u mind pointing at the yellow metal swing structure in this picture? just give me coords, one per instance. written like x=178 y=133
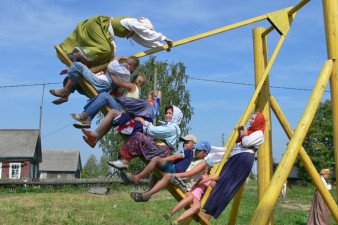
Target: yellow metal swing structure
x=269 y=184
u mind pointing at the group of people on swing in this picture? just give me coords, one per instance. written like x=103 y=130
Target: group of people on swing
x=93 y=43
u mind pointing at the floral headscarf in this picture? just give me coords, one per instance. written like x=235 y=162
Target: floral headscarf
x=177 y=116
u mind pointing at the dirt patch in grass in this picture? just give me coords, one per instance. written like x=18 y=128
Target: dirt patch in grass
x=290 y=204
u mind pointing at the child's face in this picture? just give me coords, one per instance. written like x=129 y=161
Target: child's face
x=200 y=154
x=129 y=65
x=188 y=145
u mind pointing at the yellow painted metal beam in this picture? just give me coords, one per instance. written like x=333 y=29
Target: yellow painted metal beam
x=330 y=11
x=306 y=160
x=269 y=199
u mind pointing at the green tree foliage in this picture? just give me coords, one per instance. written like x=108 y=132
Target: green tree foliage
x=318 y=142
x=103 y=167
x=90 y=169
x=171 y=81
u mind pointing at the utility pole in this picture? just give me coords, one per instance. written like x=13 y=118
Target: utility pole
x=43 y=92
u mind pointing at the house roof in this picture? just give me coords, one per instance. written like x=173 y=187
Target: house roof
x=20 y=143
x=60 y=160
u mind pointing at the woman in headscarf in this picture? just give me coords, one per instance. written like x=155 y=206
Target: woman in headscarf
x=165 y=138
x=319 y=212
x=238 y=167
x=93 y=40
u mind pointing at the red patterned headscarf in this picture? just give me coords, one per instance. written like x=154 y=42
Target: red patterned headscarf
x=259 y=124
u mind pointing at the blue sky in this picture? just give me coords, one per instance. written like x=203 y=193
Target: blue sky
x=29 y=30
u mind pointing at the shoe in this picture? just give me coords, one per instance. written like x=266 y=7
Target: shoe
x=77 y=117
x=81 y=125
x=60 y=100
x=73 y=57
x=89 y=142
x=89 y=135
x=52 y=91
x=118 y=164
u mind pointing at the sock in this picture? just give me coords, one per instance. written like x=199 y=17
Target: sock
x=95 y=134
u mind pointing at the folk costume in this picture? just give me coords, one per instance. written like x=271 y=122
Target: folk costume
x=237 y=168
x=94 y=38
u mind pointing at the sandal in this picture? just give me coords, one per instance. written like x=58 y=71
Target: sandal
x=52 y=91
x=138 y=197
x=127 y=179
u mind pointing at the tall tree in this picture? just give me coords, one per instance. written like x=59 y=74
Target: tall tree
x=171 y=81
x=90 y=169
x=318 y=142
x=103 y=167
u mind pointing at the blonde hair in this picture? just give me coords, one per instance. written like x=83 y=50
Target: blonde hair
x=325 y=171
x=139 y=80
x=155 y=93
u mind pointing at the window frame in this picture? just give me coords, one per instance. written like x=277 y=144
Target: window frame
x=11 y=165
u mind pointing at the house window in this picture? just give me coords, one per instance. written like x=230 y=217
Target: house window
x=0 y=169
x=14 y=170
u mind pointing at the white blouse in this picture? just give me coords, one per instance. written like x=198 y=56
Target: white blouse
x=144 y=36
x=216 y=154
x=120 y=71
x=328 y=186
x=255 y=139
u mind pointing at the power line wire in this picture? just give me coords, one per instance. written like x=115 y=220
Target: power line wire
x=57 y=130
x=247 y=84
x=192 y=78
x=27 y=85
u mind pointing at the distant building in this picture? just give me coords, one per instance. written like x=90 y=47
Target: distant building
x=20 y=153
x=60 y=164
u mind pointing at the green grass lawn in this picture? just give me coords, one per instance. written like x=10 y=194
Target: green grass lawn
x=76 y=206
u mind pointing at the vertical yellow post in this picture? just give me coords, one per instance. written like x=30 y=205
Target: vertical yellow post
x=330 y=11
x=264 y=154
x=265 y=206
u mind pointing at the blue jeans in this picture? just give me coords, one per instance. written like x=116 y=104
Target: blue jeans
x=77 y=69
x=96 y=103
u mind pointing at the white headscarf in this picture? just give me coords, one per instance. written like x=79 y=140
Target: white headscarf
x=177 y=116
x=146 y=22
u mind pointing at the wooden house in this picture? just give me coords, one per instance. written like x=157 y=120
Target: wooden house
x=60 y=164
x=20 y=153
